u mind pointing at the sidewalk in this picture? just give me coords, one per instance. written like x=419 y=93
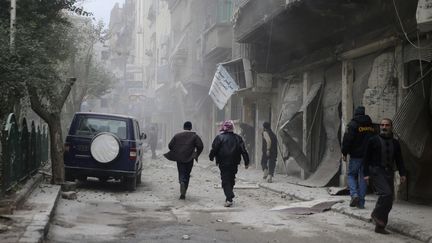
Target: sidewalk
x=405 y=218
x=35 y=204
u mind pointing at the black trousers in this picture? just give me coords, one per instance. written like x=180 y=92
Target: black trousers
x=268 y=162
x=184 y=170
x=228 y=173
x=382 y=180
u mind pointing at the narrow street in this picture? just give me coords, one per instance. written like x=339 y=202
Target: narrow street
x=153 y=213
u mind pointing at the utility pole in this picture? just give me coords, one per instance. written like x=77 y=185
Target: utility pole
x=12 y=25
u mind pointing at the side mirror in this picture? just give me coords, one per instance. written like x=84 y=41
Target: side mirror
x=143 y=136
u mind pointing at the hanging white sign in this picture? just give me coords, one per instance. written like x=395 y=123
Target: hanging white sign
x=223 y=86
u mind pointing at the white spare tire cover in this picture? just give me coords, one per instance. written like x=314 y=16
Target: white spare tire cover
x=105 y=147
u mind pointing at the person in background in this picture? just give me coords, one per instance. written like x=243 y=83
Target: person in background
x=381 y=158
x=228 y=148
x=185 y=147
x=354 y=141
x=269 y=152
x=152 y=140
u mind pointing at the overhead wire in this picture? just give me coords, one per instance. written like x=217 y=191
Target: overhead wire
x=403 y=29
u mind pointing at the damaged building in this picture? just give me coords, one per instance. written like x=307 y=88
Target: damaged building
x=303 y=65
x=327 y=57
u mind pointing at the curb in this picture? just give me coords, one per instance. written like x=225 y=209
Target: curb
x=38 y=228
x=399 y=228
x=17 y=200
x=27 y=189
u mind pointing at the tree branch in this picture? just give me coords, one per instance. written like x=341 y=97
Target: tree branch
x=36 y=105
x=65 y=92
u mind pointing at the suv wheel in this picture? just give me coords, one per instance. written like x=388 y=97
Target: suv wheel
x=131 y=183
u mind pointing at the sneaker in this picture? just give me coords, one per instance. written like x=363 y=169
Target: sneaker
x=182 y=197
x=354 y=202
x=228 y=204
x=381 y=230
x=270 y=179
x=266 y=172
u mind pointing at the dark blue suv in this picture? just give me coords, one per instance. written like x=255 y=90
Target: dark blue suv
x=104 y=146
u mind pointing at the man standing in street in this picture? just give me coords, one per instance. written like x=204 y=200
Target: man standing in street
x=185 y=147
x=354 y=141
x=382 y=156
x=152 y=140
x=227 y=147
x=269 y=152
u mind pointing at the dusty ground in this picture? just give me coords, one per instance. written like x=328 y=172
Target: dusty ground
x=106 y=213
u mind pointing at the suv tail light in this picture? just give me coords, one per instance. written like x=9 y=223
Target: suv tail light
x=132 y=153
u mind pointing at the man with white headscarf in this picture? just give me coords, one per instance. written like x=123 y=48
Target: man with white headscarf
x=228 y=148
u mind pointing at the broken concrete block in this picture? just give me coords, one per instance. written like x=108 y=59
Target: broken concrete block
x=68 y=186
x=69 y=195
x=4 y=228
x=186 y=237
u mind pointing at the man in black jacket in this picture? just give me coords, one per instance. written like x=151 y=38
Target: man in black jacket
x=184 y=148
x=354 y=141
x=382 y=156
x=269 y=152
x=227 y=147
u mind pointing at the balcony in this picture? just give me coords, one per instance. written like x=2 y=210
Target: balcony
x=252 y=14
x=217 y=40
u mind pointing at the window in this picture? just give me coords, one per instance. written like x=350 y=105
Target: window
x=224 y=11
x=89 y=126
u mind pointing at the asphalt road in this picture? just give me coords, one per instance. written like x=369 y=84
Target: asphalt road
x=104 y=212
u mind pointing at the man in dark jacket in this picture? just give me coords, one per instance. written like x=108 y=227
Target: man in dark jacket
x=269 y=152
x=227 y=147
x=184 y=148
x=359 y=130
x=382 y=156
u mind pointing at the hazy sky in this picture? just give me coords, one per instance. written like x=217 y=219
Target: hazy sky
x=101 y=9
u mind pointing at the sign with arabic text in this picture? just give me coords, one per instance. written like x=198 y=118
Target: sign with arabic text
x=223 y=86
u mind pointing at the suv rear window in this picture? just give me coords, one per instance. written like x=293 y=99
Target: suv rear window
x=90 y=126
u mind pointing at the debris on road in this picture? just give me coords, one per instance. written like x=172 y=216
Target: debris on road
x=338 y=191
x=240 y=186
x=68 y=186
x=308 y=207
x=69 y=195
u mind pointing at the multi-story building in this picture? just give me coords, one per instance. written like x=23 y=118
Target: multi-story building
x=121 y=57
x=324 y=58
